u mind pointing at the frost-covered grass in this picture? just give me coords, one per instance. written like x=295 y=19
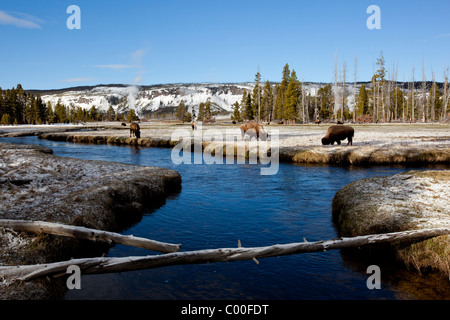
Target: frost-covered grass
x=411 y=200
x=372 y=144
x=36 y=185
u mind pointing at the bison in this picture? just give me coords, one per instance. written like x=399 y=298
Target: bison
x=194 y=125
x=254 y=129
x=135 y=130
x=338 y=133
x=317 y=121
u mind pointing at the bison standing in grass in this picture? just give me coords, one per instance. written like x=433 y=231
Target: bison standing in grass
x=337 y=134
x=254 y=129
x=135 y=130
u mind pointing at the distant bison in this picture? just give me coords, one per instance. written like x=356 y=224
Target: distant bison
x=123 y=124
x=340 y=122
x=135 y=130
x=194 y=125
x=337 y=134
x=317 y=121
x=254 y=129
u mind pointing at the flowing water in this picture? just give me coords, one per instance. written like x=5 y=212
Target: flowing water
x=221 y=204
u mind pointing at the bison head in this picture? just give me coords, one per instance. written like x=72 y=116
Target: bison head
x=325 y=141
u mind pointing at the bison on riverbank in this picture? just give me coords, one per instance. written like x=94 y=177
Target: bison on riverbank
x=135 y=130
x=254 y=129
x=337 y=134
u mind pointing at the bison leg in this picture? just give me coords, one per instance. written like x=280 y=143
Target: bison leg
x=350 y=141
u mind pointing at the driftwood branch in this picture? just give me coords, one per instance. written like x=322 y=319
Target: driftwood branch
x=111 y=265
x=87 y=233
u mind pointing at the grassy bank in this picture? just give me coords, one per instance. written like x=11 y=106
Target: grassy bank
x=407 y=201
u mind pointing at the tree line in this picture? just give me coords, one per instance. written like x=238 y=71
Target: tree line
x=19 y=107
x=383 y=99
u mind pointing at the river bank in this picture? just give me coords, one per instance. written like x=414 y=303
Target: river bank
x=408 y=201
x=36 y=185
x=374 y=144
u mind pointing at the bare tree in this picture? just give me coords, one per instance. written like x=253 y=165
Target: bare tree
x=424 y=92
x=344 y=69
x=445 y=97
x=412 y=98
x=335 y=87
x=433 y=98
x=354 y=90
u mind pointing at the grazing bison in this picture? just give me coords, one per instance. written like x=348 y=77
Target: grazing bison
x=123 y=124
x=340 y=122
x=317 y=121
x=135 y=130
x=338 y=133
x=254 y=129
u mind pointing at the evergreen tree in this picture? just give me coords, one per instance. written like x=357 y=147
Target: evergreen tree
x=325 y=96
x=41 y=110
x=362 y=107
x=132 y=116
x=292 y=95
x=208 y=113
x=236 y=113
x=281 y=91
x=110 y=114
x=181 y=111
x=93 y=113
x=256 y=97
x=267 y=102
x=201 y=111
x=246 y=106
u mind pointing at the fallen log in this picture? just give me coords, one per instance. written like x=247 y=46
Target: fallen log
x=89 y=234
x=122 y=264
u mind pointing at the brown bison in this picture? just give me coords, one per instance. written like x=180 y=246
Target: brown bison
x=254 y=129
x=317 y=121
x=338 y=133
x=135 y=130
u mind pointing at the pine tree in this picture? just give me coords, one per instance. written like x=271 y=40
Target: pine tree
x=281 y=91
x=181 y=111
x=201 y=111
x=236 y=113
x=267 y=102
x=132 y=116
x=325 y=95
x=292 y=97
x=256 y=97
x=246 y=106
x=363 y=101
x=208 y=113
x=41 y=110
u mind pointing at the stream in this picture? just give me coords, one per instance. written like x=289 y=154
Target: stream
x=221 y=204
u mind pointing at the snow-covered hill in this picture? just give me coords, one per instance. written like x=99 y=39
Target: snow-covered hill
x=147 y=99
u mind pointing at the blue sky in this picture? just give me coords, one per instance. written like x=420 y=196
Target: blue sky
x=188 y=41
